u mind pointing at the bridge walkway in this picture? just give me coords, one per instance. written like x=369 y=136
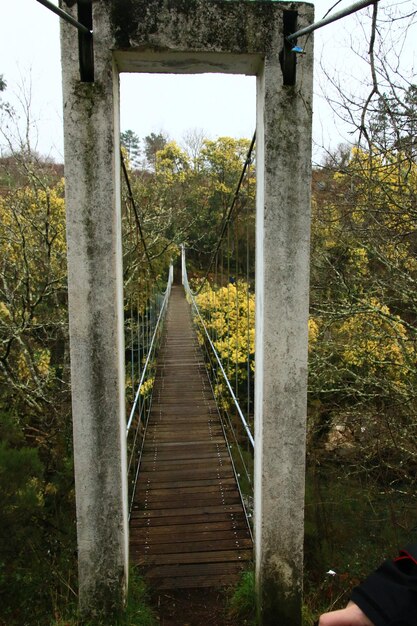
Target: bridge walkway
x=188 y=528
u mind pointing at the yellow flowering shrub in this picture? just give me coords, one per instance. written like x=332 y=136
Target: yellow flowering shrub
x=32 y=285
x=373 y=339
x=313 y=332
x=229 y=314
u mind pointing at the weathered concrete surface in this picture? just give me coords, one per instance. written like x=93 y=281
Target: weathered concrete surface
x=96 y=325
x=191 y=36
x=282 y=287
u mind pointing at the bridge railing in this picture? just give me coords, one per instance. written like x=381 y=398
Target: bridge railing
x=235 y=423
x=145 y=338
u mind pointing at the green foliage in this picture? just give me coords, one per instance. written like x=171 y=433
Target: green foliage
x=242 y=604
x=131 y=142
x=37 y=529
x=30 y=556
x=185 y=194
x=352 y=522
x=362 y=331
x=154 y=143
x=229 y=317
x=32 y=291
x=138 y=609
x=363 y=402
x=20 y=489
x=183 y=197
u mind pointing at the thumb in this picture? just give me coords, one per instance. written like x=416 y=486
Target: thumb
x=350 y=616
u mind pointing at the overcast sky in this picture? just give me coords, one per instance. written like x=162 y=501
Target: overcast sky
x=219 y=105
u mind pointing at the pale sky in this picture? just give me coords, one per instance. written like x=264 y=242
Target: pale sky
x=216 y=104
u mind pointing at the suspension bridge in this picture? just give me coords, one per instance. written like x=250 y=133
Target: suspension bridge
x=197 y=468
x=193 y=460
x=188 y=524
x=190 y=444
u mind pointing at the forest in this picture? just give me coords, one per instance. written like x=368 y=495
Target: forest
x=362 y=402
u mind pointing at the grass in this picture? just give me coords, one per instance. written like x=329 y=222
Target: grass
x=242 y=604
x=138 y=610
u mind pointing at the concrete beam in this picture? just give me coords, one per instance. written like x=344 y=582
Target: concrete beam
x=153 y=61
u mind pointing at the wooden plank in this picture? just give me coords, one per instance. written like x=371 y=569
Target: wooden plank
x=205 y=453
x=184 y=435
x=144 y=522
x=186 y=529
x=179 y=429
x=191 y=519
x=172 y=464
x=231 y=508
x=205 y=569
x=139 y=548
x=193 y=558
x=197 y=582
x=197 y=472
x=184 y=490
x=181 y=407
x=190 y=481
x=179 y=444
x=156 y=503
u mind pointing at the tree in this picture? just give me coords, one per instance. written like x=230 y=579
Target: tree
x=35 y=426
x=193 y=141
x=131 y=142
x=362 y=372
x=153 y=144
x=32 y=291
x=3 y=105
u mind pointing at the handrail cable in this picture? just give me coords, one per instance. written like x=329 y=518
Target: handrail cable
x=239 y=410
x=228 y=216
x=65 y=16
x=136 y=213
x=145 y=367
x=137 y=424
x=224 y=426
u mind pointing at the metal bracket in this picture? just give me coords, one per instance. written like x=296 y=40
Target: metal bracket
x=85 y=41
x=288 y=57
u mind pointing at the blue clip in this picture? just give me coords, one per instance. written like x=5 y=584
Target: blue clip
x=297 y=49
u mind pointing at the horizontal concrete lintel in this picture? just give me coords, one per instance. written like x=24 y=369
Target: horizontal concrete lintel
x=247 y=27
x=187 y=62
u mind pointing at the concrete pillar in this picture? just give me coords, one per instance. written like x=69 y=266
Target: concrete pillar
x=282 y=287
x=91 y=131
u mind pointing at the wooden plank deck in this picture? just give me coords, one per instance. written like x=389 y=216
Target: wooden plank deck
x=187 y=528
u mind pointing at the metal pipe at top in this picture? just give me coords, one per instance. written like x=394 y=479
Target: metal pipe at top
x=65 y=16
x=332 y=18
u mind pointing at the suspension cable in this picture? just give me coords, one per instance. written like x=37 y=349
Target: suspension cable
x=136 y=213
x=65 y=16
x=228 y=216
x=357 y=6
x=220 y=365
x=151 y=347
